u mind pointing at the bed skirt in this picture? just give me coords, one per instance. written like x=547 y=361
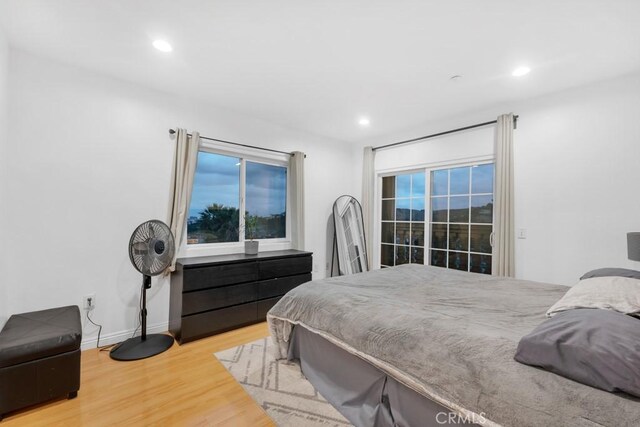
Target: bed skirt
x=362 y=393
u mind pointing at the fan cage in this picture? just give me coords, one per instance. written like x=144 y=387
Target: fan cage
x=151 y=247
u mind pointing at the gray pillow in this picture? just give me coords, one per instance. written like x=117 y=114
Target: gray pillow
x=596 y=347
x=608 y=272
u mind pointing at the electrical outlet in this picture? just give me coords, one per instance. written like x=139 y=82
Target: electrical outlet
x=89 y=302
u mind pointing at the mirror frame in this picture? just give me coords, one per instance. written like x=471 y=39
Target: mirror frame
x=335 y=251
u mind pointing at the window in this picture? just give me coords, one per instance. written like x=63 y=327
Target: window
x=267 y=199
x=462 y=218
x=459 y=223
x=224 y=186
x=402 y=229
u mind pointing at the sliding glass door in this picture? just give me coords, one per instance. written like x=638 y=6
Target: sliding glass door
x=403 y=219
x=459 y=222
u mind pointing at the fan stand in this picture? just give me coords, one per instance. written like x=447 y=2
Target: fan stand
x=145 y=345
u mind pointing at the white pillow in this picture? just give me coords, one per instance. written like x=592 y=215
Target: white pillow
x=615 y=293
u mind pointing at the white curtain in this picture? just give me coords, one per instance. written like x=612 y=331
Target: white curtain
x=503 y=242
x=185 y=159
x=296 y=169
x=368 y=198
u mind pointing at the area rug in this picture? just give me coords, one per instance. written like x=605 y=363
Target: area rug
x=279 y=386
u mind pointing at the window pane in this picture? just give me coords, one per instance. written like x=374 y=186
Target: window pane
x=459 y=237
x=417 y=185
x=439 y=236
x=439 y=183
x=439 y=258
x=482 y=179
x=480 y=238
x=417 y=209
x=402 y=233
x=482 y=209
x=403 y=209
x=215 y=200
x=459 y=181
x=417 y=255
x=266 y=198
x=417 y=234
x=386 y=255
x=439 y=209
x=388 y=187
x=402 y=255
x=459 y=209
x=403 y=185
x=387 y=232
x=387 y=210
x=458 y=260
x=480 y=264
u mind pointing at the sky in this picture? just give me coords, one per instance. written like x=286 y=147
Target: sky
x=217 y=180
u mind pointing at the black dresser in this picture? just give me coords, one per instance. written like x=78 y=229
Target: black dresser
x=218 y=293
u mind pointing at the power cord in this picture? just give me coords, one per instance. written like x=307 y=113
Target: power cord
x=110 y=346
x=99 y=328
x=139 y=312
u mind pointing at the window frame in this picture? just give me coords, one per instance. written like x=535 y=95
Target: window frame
x=427 y=168
x=252 y=155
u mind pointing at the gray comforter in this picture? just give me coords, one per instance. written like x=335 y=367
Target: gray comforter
x=451 y=336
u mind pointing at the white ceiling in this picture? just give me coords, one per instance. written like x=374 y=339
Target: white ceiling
x=319 y=65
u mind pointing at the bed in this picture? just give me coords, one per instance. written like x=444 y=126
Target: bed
x=421 y=345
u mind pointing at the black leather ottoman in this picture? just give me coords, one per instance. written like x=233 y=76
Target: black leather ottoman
x=39 y=357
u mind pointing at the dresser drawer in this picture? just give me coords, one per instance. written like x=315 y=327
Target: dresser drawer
x=265 y=305
x=280 y=286
x=211 y=322
x=285 y=267
x=219 y=275
x=211 y=299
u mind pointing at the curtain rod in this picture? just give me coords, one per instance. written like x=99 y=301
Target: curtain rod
x=172 y=131
x=515 y=125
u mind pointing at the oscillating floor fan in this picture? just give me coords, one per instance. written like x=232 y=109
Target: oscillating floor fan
x=151 y=250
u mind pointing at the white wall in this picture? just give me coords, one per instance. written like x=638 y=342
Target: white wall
x=4 y=68
x=576 y=169
x=90 y=159
x=576 y=166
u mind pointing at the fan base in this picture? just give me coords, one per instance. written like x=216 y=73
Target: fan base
x=136 y=348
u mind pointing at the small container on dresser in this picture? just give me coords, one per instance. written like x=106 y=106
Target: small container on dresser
x=214 y=294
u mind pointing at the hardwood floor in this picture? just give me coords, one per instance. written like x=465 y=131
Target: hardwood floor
x=186 y=385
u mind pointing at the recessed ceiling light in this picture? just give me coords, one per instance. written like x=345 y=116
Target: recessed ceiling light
x=364 y=121
x=521 y=71
x=162 y=46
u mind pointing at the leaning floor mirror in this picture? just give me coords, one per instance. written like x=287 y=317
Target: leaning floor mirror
x=349 y=239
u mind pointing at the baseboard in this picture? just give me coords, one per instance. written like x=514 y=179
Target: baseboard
x=116 y=337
